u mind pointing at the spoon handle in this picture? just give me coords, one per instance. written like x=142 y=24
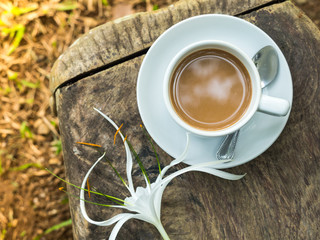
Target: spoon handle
x=227 y=147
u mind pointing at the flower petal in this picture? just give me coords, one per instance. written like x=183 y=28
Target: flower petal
x=204 y=167
x=221 y=174
x=128 y=154
x=125 y=217
x=157 y=199
x=177 y=160
x=82 y=203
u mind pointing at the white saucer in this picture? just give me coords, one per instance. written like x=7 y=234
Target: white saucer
x=255 y=137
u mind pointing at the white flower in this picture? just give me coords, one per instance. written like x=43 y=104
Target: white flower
x=144 y=203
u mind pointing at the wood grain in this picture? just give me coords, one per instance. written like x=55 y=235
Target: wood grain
x=280 y=195
x=118 y=39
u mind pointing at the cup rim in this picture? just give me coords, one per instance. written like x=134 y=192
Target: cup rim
x=243 y=57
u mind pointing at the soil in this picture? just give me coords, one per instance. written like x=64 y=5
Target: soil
x=30 y=202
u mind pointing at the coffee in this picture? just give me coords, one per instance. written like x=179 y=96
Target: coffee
x=210 y=89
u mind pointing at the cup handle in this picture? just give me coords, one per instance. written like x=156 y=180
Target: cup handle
x=273 y=106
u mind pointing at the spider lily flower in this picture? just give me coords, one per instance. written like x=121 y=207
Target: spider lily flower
x=144 y=203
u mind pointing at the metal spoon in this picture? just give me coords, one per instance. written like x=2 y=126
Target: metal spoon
x=267 y=63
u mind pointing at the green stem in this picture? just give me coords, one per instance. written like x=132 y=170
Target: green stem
x=115 y=170
x=154 y=149
x=114 y=199
x=143 y=170
x=108 y=161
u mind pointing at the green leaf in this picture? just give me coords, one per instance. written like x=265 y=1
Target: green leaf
x=105 y=2
x=30 y=101
x=53 y=123
x=15 y=184
x=65 y=200
x=67 y=6
x=57 y=144
x=23 y=233
x=6 y=91
x=155 y=7
x=25 y=131
x=19 y=11
x=26 y=166
x=54 y=44
x=6 y=31
x=3 y=234
x=19 y=33
x=58 y=226
x=30 y=84
x=13 y=76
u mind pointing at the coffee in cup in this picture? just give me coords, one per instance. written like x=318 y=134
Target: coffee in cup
x=212 y=88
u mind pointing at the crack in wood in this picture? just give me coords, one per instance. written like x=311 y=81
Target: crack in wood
x=260 y=7
x=145 y=50
x=102 y=68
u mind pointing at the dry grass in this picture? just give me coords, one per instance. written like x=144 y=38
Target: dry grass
x=33 y=35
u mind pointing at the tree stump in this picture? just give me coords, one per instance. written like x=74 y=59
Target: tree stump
x=279 y=197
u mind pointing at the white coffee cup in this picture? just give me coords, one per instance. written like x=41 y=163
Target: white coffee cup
x=259 y=102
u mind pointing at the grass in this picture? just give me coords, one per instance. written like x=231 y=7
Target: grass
x=3 y=234
x=58 y=226
x=26 y=166
x=25 y=131
x=17 y=33
x=67 y=6
x=51 y=229
x=57 y=145
x=33 y=34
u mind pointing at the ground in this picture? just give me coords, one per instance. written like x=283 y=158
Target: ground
x=33 y=35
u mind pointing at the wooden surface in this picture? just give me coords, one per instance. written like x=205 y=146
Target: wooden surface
x=280 y=196
x=116 y=41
